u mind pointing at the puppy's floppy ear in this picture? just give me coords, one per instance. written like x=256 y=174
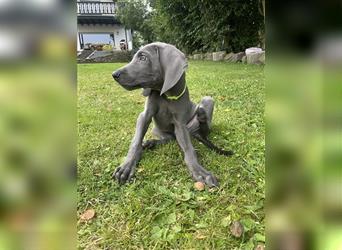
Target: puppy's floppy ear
x=173 y=65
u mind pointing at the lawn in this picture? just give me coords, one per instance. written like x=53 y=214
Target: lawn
x=161 y=209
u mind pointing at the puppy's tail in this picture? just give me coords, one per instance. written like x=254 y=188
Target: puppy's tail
x=212 y=146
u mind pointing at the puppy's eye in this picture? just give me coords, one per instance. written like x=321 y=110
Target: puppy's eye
x=142 y=58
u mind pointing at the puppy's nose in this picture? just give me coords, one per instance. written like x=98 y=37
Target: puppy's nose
x=116 y=74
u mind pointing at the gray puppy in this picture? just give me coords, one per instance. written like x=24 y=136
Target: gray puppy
x=159 y=69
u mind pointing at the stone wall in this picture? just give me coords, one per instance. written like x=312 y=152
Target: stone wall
x=255 y=58
x=126 y=56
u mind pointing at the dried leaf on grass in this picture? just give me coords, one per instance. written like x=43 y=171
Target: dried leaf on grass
x=236 y=229
x=199 y=186
x=88 y=215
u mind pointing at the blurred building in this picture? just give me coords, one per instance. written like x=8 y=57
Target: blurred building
x=97 y=23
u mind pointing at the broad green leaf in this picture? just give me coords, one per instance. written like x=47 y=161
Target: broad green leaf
x=226 y=221
x=186 y=196
x=171 y=218
x=176 y=228
x=201 y=225
x=157 y=232
x=249 y=245
x=259 y=237
x=248 y=224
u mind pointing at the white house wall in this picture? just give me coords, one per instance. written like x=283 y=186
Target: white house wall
x=117 y=30
x=78 y=43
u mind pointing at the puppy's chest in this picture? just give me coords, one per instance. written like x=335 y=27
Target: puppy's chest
x=165 y=113
x=168 y=112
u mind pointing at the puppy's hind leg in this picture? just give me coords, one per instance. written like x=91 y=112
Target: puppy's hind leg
x=205 y=114
x=163 y=139
x=204 y=117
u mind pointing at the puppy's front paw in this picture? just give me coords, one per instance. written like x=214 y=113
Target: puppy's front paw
x=206 y=177
x=124 y=172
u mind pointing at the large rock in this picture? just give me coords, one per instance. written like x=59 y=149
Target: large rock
x=198 y=56
x=209 y=56
x=262 y=57
x=239 y=56
x=244 y=59
x=219 y=56
x=252 y=50
x=255 y=56
x=233 y=58
x=229 y=57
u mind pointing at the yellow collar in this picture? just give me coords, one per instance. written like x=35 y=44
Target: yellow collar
x=178 y=96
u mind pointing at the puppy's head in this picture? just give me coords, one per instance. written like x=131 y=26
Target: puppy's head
x=158 y=66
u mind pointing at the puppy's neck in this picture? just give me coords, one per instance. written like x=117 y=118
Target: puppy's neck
x=178 y=89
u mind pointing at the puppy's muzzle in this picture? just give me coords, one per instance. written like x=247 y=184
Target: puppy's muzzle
x=116 y=75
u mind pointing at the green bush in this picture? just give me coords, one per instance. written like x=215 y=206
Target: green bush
x=196 y=26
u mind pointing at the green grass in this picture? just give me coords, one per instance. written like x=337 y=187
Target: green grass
x=160 y=209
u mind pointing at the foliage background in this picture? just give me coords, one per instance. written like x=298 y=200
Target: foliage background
x=196 y=26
